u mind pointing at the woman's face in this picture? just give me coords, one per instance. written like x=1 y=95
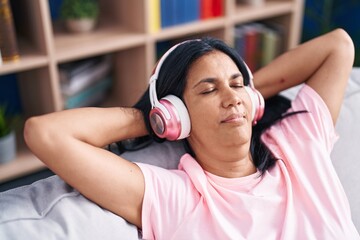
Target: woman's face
x=218 y=105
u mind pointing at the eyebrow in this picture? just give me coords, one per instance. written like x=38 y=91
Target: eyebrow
x=212 y=80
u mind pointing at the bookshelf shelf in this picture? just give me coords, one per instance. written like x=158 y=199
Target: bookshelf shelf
x=70 y=47
x=270 y=9
x=31 y=58
x=123 y=32
x=27 y=62
x=191 y=28
x=25 y=163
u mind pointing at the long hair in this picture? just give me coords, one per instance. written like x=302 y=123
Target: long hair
x=172 y=80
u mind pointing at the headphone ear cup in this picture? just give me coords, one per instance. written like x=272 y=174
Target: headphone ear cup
x=174 y=127
x=258 y=104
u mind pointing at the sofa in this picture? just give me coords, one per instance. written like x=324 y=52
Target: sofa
x=51 y=209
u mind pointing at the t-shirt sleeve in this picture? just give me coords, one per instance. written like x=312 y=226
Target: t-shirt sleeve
x=315 y=124
x=163 y=204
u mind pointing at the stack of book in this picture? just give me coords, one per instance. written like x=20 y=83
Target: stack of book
x=85 y=82
x=258 y=43
x=167 y=13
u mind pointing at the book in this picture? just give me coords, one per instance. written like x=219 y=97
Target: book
x=90 y=96
x=8 y=43
x=280 y=33
x=251 y=47
x=239 y=40
x=270 y=46
x=167 y=16
x=192 y=10
x=218 y=8
x=154 y=16
x=206 y=9
x=72 y=84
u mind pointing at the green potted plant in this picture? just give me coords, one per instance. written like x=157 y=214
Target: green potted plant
x=80 y=15
x=7 y=137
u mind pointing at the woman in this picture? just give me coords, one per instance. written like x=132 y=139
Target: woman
x=225 y=189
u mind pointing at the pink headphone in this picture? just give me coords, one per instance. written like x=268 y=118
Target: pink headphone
x=169 y=117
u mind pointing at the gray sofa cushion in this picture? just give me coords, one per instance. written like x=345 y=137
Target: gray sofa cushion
x=51 y=209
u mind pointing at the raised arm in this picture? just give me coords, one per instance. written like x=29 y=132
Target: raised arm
x=323 y=63
x=70 y=144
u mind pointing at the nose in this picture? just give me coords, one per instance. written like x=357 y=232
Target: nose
x=230 y=98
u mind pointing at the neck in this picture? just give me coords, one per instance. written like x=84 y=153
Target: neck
x=227 y=166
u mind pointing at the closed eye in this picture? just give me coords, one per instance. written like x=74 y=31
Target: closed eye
x=208 y=91
x=236 y=81
x=237 y=86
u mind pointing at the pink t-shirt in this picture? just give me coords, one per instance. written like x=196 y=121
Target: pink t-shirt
x=301 y=197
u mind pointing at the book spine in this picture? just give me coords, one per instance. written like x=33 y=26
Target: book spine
x=240 y=41
x=176 y=11
x=181 y=8
x=250 y=49
x=217 y=8
x=8 y=44
x=195 y=13
x=155 y=16
x=167 y=13
x=269 y=46
x=206 y=9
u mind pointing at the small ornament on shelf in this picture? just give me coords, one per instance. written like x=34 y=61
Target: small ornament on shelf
x=80 y=16
x=8 y=43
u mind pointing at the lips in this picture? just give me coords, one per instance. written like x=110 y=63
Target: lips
x=234 y=117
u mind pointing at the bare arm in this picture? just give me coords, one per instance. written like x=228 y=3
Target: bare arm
x=324 y=63
x=70 y=143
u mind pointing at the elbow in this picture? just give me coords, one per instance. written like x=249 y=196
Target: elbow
x=34 y=134
x=344 y=46
x=31 y=131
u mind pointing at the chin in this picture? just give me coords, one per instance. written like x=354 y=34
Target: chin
x=236 y=141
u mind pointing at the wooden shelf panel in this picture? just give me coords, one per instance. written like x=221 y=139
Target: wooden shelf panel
x=26 y=62
x=191 y=28
x=104 y=40
x=246 y=13
x=29 y=59
x=25 y=163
